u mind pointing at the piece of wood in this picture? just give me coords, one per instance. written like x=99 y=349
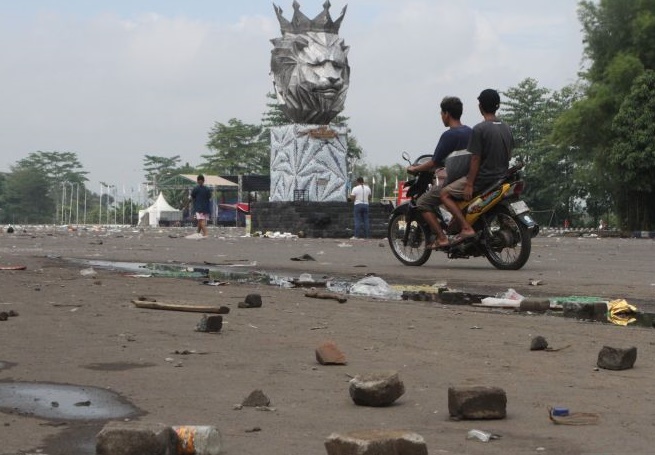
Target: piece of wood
x=326 y=295
x=13 y=267
x=180 y=307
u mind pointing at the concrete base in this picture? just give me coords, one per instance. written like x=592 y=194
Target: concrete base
x=316 y=219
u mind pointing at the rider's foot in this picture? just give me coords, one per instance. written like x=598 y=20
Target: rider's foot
x=459 y=238
x=439 y=244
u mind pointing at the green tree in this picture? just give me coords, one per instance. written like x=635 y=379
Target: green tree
x=618 y=37
x=274 y=116
x=158 y=169
x=632 y=153
x=27 y=197
x=56 y=167
x=554 y=189
x=238 y=148
x=61 y=171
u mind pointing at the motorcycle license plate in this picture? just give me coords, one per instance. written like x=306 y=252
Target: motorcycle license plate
x=519 y=207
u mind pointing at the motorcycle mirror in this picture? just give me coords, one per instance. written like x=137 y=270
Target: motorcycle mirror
x=407 y=158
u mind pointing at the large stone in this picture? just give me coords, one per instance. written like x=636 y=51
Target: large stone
x=251 y=301
x=538 y=343
x=477 y=403
x=376 y=389
x=534 y=305
x=376 y=442
x=136 y=438
x=210 y=324
x=256 y=398
x=611 y=358
x=329 y=354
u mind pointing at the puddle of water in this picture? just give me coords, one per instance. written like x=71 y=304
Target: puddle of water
x=216 y=273
x=225 y=273
x=63 y=402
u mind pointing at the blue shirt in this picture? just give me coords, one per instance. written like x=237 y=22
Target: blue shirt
x=201 y=196
x=452 y=139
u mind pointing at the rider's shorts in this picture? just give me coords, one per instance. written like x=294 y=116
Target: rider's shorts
x=456 y=188
x=429 y=201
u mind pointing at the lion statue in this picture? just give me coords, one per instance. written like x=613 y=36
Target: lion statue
x=309 y=64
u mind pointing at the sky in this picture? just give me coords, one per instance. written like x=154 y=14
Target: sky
x=115 y=80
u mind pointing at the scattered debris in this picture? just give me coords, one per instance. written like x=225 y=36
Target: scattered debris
x=535 y=282
x=13 y=267
x=88 y=272
x=373 y=286
x=482 y=436
x=611 y=358
x=326 y=295
x=574 y=418
x=251 y=301
x=4 y=315
x=376 y=389
x=304 y=257
x=538 y=343
x=477 y=402
x=215 y=283
x=329 y=354
x=255 y=399
x=210 y=324
x=620 y=312
x=144 y=302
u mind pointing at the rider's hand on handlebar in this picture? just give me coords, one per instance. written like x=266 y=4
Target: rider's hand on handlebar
x=411 y=170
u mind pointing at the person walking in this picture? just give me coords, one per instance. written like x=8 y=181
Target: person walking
x=201 y=197
x=361 y=195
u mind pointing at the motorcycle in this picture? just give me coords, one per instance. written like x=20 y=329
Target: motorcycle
x=501 y=220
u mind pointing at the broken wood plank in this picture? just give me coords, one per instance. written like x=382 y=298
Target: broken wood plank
x=153 y=305
x=326 y=295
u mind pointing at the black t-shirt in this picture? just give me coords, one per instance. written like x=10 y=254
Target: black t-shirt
x=493 y=142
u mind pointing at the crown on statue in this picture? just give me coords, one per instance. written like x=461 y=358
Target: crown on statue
x=301 y=23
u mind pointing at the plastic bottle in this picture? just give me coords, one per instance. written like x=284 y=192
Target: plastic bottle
x=198 y=440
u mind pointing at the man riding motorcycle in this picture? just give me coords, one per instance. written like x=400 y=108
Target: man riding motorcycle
x=491 y=148
x=455 y=138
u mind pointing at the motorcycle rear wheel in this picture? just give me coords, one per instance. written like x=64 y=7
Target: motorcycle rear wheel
x=415 y=252
x=508 y=241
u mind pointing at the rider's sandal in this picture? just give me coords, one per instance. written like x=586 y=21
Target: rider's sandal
x=436 y=246
x=459 y=238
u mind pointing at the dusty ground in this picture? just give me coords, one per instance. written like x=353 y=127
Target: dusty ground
x=68 y=323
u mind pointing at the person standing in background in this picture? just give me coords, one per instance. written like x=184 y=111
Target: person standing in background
x=361 y=196
x=201 y=197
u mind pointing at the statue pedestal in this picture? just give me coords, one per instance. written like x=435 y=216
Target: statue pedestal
x=308 y=163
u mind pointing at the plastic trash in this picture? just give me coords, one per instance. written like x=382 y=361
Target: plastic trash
x=198 y=440
x=483 y=436
x=88 y=272
x=373 y=286
x=511 y=294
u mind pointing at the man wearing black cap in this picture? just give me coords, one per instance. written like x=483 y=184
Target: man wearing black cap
x=491 y=148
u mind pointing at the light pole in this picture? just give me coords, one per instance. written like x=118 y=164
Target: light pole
x=63 y=200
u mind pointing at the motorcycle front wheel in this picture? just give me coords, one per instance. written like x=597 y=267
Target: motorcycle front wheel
x=415 y=250
x=508 y=241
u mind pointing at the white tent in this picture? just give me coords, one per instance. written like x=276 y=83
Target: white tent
x=160 y=210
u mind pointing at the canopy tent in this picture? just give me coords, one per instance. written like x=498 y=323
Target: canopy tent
x=159 y=211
